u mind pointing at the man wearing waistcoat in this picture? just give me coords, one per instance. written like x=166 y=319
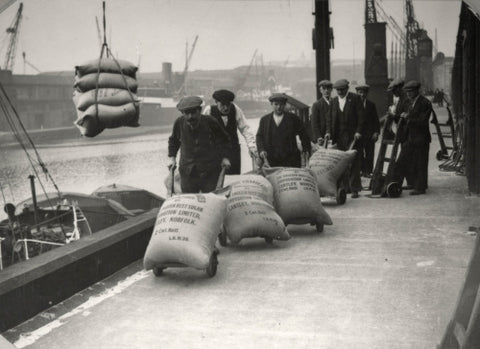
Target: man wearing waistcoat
x=320 y=111
x=414 y=155
x=370 y=131
x=204 y=146
x=345 y=125
x=276 y=135
x=231 y=118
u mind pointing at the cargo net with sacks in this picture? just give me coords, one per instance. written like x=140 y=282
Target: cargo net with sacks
x=105 y=94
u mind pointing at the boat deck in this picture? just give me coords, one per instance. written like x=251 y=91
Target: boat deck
x=386 y=274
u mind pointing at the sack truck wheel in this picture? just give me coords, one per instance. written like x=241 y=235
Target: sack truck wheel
x=212 y=265
x=341 y=196
x=319 y=227
x=268 y=240
x=394 y=190
x=222 y=238
x=158 y=271
x=440 y=155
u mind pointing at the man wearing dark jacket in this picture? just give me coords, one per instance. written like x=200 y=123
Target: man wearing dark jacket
x=345 y=125
x=231 y=118
x=414 y=154
x=320 y=111
x=204 y=147
x=370 y=131
x=276 y=135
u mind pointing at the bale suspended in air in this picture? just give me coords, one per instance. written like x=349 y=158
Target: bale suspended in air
x=107 y=96
x=94 y=120
x=107 y=65
x=185 y=232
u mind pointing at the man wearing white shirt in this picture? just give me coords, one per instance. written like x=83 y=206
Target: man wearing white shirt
x=231 y=117
x=277 y=132
x=345 y=125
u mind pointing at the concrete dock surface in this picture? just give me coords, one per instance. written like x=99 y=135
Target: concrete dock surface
x=386 y=274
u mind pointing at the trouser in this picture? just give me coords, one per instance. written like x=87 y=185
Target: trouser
x=368 y=154
x=351 y=180
x=195 y=183
x=235 y=160
x=413 y=161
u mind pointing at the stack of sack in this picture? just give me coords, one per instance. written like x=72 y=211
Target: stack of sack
x=105 y=95
x=185 y=232
x=250 y=210
x=328 y=165
x=296 y=196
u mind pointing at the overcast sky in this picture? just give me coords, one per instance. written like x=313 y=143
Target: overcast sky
x=59 y=34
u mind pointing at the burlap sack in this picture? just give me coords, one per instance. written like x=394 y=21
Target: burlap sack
x=107 y=65
x=186 y=230
x=250 y=216
x=328 y=165
x=296 y=196
x=106 y=96
x=250 y=184
x=105 y=80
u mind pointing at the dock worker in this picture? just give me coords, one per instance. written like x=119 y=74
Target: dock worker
x=400 y=104
x=320 y=112
x=277 y=132
x=231 y=118
x=345 y=125
x=204 y=146
x=413 y=157
x=371 y=131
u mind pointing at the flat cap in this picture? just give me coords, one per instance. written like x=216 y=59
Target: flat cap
x=395 y=83
x=364 y=87
x=325 y=83
x=411 y=85
x=279 y=97
x=223 y=96
x=342 y=83
x=188 y=102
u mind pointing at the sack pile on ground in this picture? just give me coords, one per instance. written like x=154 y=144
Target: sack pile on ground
x=328 y=165
x=105 y=95
x=296 y=196
x=250 y=212
x=186 y=229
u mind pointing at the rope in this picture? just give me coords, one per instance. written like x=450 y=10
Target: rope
x=16 y=133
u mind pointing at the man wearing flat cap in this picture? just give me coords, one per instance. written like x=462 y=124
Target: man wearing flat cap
x=231 y=118
x=204 y=147
x=370 y=131
x=320 y=111
x=277 y=132
x=345 y=125
x=413 y=157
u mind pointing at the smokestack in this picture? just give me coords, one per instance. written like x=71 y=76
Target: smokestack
x=167 y=77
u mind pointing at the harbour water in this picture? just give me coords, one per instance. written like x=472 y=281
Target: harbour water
x=82 y=165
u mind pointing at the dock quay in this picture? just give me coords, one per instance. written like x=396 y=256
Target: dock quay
x=386 y=274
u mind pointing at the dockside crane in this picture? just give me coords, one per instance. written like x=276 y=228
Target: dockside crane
x=181 y=90
x=243 y=79
x=25 y=62
x=12 y=31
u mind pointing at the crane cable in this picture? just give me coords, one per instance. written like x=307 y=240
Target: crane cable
x=11 y=121
x=105 y=49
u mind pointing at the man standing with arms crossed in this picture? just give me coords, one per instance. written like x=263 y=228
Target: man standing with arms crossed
x=204 y=146
x=370 y=132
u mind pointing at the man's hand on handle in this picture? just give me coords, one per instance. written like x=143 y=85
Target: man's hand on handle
x=226 y=163
x=172 y=163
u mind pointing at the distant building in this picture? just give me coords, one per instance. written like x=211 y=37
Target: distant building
x=442 y=72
